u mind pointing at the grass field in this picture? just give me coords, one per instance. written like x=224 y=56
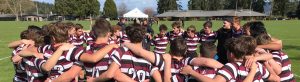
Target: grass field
x=287 y=31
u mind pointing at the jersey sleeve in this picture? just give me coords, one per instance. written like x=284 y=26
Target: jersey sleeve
x=276 y=57
x=74 y=54
x=38 y=63
x=116 y=55
x=188 y=60
x=264 y=71
x=227 y=71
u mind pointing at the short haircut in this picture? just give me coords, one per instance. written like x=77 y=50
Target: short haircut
x=59 y=32
x=263 y=39
x=135 y=33
x=176 y=24
x=100 y=28
x=178 y=47
x=236 y=20
x=35 y=33
x=23 y=34
x=191 y=28
x=242 y=46
x=257 y=28
x=207 y=24
x=246 y=25
x=230 y=20
x=163 y=27
x=206 y=49
x=78 y=26
x=115 y=28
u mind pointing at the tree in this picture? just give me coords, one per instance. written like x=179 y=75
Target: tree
x=77 y=8
x=43 y=8
x=258 y=5
x=110 y=9
x=280 y=7
x=122 y=9
x=149 y=11
x=165 y=5
x=17 y=7
x=206 y=4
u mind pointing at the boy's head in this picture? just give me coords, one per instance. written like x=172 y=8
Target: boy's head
x=122 y=20
x=176 y=27
x=116 y=30
x=101 y=28
x=178 y=47
x=207 y=26
x=208 y=50
x=23 y=34
x=135 y=33
x=59 y=32
x=227 y=23
x=191 y=30
x=236 y=22
x=246 y=28
x=78 y=29
x=263 y=39
x=257 y=28
x=35 y=33
x=240 y=47
x=163 y=29
x=71 y=28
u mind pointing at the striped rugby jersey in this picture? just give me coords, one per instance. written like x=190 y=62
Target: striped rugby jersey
x=282 y=59
x=20 y=73
x=160 y=44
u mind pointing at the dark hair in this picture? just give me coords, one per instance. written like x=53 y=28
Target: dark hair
x=178 y=47
x=163 y=27
x=23 y=34
x=176 y=24
x=206 y=49
x=100 y=28
x=191 y=28
x=207 y=24
x=35 y=33
x=135 y=33
x=236 y=20
x=46 y=32
x=257 y=28
x=230 y=20
x=263 y=39
x=78 y=26
x=242 y=46
x=59 y=32
x=246 y=25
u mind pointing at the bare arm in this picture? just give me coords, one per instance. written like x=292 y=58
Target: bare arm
x=252 y=73
x=138 y=50
x=200 y=61
x=69 y=75
x=187 y=70
x=109 y=74
x=16 y=58
x=51 y=62
x=156 y=76
x=19 y=42
x=275 y=66
x=167 y=68
x=95 y=57
x=274 y=45
x=273 y=76
x=121 y=77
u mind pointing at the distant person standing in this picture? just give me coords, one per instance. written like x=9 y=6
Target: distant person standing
x=148 y=36
x=121 y=23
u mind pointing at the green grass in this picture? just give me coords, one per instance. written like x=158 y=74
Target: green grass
x=287 y=31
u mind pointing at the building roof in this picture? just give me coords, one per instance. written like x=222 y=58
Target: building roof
x=200 y=13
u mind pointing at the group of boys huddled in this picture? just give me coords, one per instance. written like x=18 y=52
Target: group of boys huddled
x=64 y=52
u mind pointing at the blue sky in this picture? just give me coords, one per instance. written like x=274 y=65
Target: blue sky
x=131 y=4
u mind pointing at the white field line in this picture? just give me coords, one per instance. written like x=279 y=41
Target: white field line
x=4 y=58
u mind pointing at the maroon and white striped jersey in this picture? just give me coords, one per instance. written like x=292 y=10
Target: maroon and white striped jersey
x=237 y=72
x=171 y=35
x=66 y=60
x=192 y=43
x=33 y=69
x=20 y=73
x=80 y=40
x=114 y=40
x=207 y=38
x=95 y=69
x=124 y=37
x=176 y=65
x=160 y=44
x=206 y=71
x=282 y=59
x=134 y=66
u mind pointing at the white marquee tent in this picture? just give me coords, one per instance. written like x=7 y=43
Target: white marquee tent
x=135 y=13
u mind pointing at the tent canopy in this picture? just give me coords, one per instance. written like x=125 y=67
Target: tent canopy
x=135 y=13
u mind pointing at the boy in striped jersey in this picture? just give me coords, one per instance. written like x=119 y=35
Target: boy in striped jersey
x=238 y=49
x=80 y=37
x=176 y=31
x=282 y=64
x=207 y=35
x=133 y=65
x=192 y=40
x=160 y=41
